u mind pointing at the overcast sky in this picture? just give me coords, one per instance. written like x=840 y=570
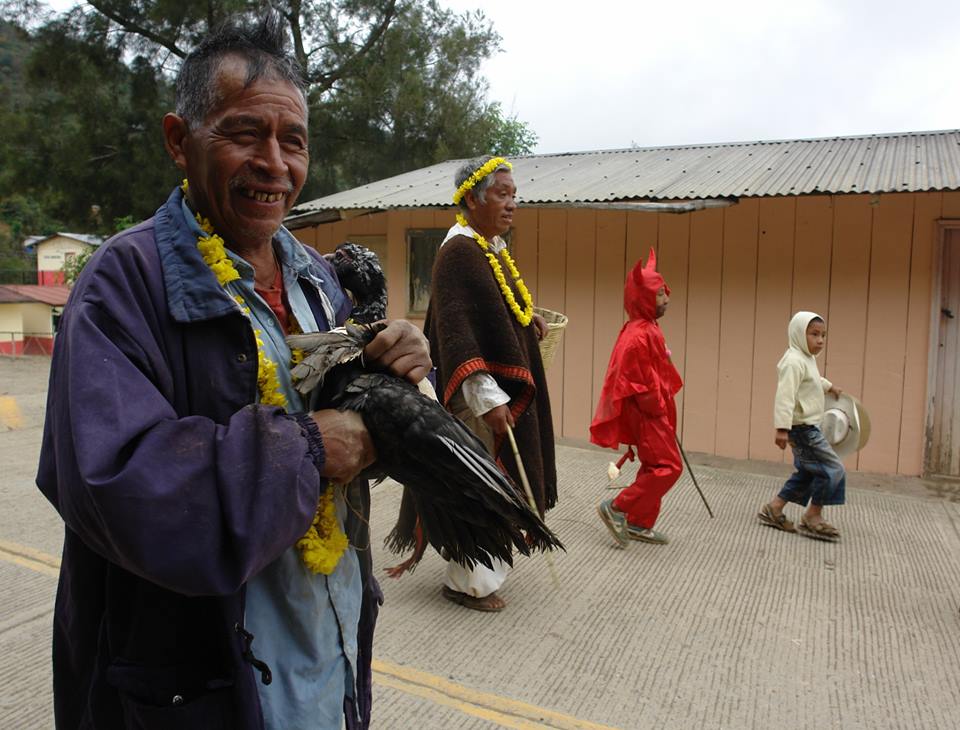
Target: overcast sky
x=605 y=74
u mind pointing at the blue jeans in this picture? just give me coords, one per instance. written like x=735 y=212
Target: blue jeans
x=819 y=476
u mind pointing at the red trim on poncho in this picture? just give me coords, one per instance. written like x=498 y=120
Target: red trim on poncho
x=471 y=329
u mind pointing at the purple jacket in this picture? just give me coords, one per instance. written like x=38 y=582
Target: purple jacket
x=174 y=489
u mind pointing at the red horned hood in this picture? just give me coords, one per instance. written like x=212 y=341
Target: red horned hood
x=640 y=291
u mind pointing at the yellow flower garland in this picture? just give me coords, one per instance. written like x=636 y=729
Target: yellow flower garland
x=324 y=542
x=524 y=316
x=484 y=170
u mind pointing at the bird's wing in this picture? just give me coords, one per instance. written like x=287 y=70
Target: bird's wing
x=426 y=387
x=323 y=351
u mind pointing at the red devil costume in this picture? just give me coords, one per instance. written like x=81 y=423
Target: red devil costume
x=636 y=404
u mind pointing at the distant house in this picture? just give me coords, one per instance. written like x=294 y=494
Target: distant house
x=28 y=317
x=864 y=230
x=55 y=249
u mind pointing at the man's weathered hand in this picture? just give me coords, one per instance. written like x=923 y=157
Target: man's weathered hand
x=346 y=443
x=541 y=324
x=498 y=419
x=837 y=392
x=402 y=349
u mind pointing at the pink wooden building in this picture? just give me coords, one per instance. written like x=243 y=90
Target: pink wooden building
x=863 y=230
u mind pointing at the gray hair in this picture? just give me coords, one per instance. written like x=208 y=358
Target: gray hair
x=262 y=44
x=480 y=189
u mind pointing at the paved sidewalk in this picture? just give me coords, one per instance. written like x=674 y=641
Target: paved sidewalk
x=730 y=625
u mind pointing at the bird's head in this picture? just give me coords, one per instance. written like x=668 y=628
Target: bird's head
x=359 y=270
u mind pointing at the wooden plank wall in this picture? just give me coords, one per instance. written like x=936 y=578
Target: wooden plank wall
x=944 y=457
x=864 y=262
x=702 y=327
x=778 y=220
x=737 y=315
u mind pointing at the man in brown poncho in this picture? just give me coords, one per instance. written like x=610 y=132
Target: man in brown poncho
x=484 y=339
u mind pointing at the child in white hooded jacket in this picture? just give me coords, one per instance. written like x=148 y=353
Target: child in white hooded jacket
x=819 y=478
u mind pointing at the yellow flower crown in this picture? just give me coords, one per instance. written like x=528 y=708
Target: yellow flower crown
x=478 y=175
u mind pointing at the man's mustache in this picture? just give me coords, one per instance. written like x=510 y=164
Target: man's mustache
x=252 y=181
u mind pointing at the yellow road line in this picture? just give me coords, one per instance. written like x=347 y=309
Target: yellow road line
x=485 y=705
x=26 y=557
x=439 y=698
x=462 y=697
x=10 y=412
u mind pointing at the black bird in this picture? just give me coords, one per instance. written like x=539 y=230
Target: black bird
x=359 y=270
x=467 y=507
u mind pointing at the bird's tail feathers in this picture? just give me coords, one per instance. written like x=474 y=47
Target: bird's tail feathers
x=518 y=514
x=495 y=480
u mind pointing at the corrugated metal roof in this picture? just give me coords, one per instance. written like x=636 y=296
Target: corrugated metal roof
x=53 y=295
x=907 y=162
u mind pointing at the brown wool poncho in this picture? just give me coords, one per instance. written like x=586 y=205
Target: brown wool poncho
x=471 y=329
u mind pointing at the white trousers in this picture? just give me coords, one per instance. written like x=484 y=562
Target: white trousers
x=479 y=581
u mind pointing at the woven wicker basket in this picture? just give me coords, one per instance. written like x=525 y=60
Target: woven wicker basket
x=555 y=324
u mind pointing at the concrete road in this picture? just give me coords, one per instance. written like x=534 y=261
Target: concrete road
x=731 y=625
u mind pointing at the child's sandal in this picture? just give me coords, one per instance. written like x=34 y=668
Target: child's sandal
x=768 y=517
x=822 y=530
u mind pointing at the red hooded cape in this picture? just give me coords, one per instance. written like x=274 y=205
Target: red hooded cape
x=640 y=378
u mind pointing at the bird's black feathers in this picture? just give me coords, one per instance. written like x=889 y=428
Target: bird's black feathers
x=359 y=270
x=468 y=508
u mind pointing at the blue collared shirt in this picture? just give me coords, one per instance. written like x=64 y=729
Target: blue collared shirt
x=305 y=624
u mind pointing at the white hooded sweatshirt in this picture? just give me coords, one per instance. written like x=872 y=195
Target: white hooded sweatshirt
x=800 y=387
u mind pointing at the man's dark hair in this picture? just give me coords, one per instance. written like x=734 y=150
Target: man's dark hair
x=262 y=44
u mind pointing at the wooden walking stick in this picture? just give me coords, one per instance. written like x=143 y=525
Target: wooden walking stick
x=693 y=476
x=529 y=494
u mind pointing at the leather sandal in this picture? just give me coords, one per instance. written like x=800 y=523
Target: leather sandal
x=768 y=517
x=472 y=602
x=822 y=530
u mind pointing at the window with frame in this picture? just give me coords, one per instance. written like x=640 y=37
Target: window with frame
x=422 y=247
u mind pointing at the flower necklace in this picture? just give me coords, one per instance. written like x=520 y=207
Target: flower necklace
x=525 y=315
x=324 y=542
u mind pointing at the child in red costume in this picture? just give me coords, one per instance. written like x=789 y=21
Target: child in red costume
x=637 y=408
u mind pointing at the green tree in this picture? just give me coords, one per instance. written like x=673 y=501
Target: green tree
x=20 y=216
x=84 y=144
x=393 y=85
x=417 y=99
x=73 y=265
x=330 y=37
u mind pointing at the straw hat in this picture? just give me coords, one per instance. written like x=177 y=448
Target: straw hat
x=846 y=423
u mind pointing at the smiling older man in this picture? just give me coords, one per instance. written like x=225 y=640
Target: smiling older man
x=207 y=578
